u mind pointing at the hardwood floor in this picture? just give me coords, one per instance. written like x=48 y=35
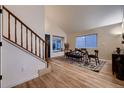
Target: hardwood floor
x=65 y=75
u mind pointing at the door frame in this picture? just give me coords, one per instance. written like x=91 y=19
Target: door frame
x=49 y=47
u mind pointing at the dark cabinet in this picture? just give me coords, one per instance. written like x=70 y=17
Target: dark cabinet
x=118 y=65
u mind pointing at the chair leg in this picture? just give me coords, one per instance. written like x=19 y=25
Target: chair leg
x=96 y=61
x=89 y=59
x=81 y=59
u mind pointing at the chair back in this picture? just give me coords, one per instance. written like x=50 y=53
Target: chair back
x=96 y=52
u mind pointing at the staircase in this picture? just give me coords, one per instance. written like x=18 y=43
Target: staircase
x=23 y=37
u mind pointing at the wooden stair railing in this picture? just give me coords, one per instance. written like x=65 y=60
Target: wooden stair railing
x=32 y=42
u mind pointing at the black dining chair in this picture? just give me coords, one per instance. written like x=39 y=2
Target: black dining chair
x=94 y=56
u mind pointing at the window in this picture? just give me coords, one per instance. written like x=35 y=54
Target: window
x=86 y=41
x=57 y=43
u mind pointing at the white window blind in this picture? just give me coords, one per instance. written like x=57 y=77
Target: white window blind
x=86 y=41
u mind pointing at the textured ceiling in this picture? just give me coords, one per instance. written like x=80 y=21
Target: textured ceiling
x=72 y=18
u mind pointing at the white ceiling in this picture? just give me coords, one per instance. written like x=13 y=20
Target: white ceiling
x=72 y=18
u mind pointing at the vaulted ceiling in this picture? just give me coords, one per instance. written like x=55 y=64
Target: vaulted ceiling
x=73 y=18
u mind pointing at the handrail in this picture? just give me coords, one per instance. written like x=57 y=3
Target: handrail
x=38 y=41
x=22 y=23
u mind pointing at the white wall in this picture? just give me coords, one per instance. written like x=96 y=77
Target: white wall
x=108 y=39
x=17 y=65
x=0 y=41
x=53 y=29
x=31 y=15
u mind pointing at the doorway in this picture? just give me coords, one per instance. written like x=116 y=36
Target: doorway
x=47 y=39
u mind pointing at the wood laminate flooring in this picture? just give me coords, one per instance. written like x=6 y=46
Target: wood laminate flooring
x=66 y=75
